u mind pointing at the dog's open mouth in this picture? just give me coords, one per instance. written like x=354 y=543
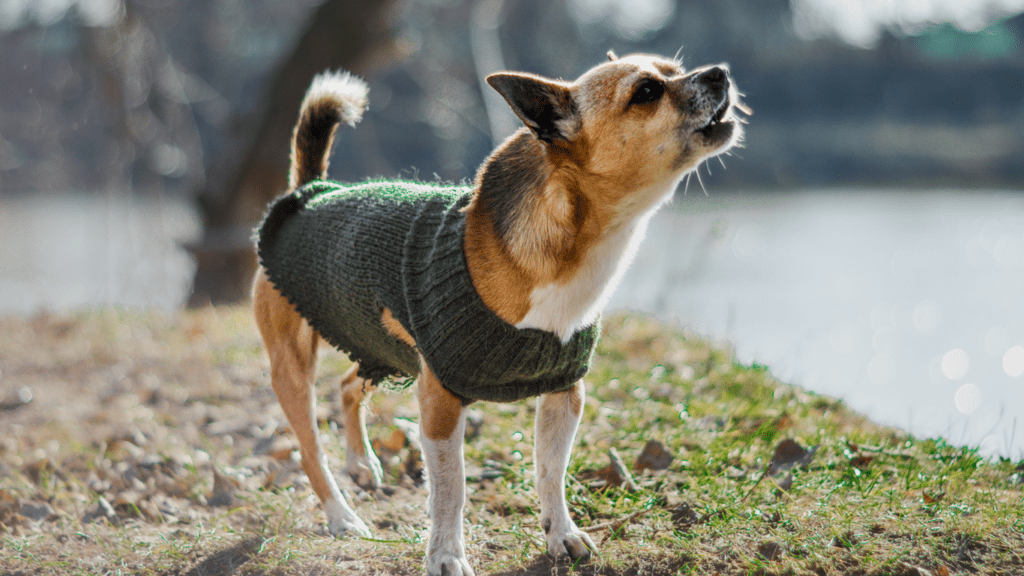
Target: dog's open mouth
x=717 y=123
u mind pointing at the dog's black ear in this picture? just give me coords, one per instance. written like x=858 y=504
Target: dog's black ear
x=545 y=106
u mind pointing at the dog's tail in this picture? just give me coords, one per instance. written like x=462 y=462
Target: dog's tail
x=333 y=97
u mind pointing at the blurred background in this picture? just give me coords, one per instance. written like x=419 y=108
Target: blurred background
x=867 y=241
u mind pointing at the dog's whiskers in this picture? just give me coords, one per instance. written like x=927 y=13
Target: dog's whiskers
x=697 y=172
x=677 y=58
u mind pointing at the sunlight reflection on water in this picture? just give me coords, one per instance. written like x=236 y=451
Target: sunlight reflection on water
x=890 y=300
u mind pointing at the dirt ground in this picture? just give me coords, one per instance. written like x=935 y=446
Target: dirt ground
x=147 y=443
x=148 y=427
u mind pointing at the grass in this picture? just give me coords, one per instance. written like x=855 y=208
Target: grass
x=140 y=408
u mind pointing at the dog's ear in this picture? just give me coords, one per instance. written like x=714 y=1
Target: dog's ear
x=612 y=57
x=545 y=106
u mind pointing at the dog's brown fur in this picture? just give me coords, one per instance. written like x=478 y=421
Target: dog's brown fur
x=556 y=212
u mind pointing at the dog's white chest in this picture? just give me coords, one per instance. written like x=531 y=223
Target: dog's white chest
x=564 y=307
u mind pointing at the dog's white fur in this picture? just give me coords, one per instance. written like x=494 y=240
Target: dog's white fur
x=563 y=296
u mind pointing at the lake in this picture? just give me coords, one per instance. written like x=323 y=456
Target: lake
x=907 y=305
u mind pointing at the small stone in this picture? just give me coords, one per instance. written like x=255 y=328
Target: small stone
x=102 y=510
x=16 y=398
x=37 y=511
x=224 y=487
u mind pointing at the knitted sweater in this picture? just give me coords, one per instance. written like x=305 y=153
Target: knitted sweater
x=341 y=254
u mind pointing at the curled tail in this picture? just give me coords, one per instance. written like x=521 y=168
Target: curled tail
x=332 y=98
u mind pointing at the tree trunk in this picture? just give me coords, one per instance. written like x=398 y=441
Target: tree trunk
x=356 y=36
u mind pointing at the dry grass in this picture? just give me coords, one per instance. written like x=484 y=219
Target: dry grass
x=170 y=421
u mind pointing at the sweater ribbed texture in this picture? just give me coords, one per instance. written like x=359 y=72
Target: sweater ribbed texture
x=341 y=254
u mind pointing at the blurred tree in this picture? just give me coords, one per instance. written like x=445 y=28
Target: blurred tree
x=357 y=36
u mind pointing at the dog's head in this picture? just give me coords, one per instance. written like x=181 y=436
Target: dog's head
x=631 y=124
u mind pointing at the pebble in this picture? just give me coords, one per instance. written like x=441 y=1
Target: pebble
x=37 y=511
x=102 y=510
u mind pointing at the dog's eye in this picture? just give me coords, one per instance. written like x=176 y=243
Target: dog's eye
x=649 y=90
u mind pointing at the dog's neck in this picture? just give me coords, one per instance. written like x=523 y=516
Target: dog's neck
x=542 y=249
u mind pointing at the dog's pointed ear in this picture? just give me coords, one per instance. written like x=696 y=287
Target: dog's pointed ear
x=612 y=56
x=545 y=106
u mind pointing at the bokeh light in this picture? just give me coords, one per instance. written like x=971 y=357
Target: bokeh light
x=954 y=364
x=967 y=399
x=1013 y=361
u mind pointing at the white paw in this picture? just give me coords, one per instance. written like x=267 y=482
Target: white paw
x=565 y=540
x=365 y=471
x=443 y=564
x=341 y=520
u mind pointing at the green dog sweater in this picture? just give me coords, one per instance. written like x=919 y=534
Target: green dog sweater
x=342 y=253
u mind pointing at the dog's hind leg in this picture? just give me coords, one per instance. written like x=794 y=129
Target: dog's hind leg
x=442 y=429
x=292 y=346
x=558 y=416
x=360 y=461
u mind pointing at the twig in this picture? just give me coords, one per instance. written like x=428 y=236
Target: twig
x=615 y=525
x=767 y=470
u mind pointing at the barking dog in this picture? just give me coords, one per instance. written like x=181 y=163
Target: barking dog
x=484 y=292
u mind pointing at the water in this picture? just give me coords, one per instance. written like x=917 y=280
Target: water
x=909 y=306
x=62 y=252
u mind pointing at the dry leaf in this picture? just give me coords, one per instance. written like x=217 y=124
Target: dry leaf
x=790 y=453
x=616 y=473
x=654 y=456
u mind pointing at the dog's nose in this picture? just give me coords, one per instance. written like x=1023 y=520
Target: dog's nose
x=714 y=78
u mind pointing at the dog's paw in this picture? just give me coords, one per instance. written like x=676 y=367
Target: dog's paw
x=342 y=521
x=448 y=565
x=570 y=542
x=365 y=471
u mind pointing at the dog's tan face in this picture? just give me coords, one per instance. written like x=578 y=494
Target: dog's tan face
x=631 y=127
x=645 y=119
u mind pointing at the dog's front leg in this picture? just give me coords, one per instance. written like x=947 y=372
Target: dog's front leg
x=442 y=429
x=558 y=416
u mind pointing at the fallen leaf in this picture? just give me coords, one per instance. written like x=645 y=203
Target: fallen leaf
x=616 y=473
x=790 y=453
x=769 y=550
x=394 y=441
x=654 y=456
x=845 y=540
x=282 y=454
x=684 y=515
x=414 y=466
x=9 y=507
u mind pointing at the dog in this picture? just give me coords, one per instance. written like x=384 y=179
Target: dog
x=530 y=254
